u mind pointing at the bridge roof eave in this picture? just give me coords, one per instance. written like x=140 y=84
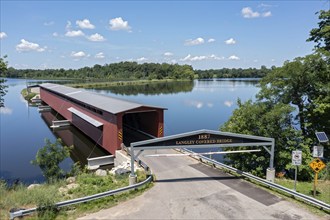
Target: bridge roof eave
x=102 y=102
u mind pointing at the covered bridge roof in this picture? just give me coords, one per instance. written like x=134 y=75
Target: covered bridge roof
x=102 y=102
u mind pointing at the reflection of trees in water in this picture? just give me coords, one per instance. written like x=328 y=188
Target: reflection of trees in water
x=3 y=69
x=151 y=88
x=3 y=92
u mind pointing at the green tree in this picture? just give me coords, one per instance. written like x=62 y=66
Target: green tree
x=293 y=96
x=267 y=120
x=49 y=158
x=303 y=83
x=321 y=34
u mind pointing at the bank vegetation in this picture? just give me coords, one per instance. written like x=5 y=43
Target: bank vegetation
x=20 y=196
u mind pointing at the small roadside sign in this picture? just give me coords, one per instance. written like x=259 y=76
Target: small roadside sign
x=317 y=165
x=318 y=151
x=296 y=157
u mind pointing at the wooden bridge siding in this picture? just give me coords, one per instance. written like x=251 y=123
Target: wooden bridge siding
x=61 y=105
x=153 y=121
x=110 y=139
x=57 y=103
x=90 y=130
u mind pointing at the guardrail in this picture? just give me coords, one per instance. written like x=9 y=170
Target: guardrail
x=24 y=212
x=303 y=197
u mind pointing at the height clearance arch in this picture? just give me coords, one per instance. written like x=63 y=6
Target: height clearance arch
x=206 y=139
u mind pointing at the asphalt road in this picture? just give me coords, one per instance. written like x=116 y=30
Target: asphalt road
x=186 y=189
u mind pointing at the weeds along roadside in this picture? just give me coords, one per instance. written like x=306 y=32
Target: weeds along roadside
x=46 y=195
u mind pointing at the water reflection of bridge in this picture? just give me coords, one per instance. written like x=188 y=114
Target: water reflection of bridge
x=83 y=146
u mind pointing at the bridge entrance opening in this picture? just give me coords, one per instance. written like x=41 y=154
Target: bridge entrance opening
x=140 y=126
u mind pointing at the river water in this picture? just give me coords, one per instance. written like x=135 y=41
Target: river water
x=191 y=106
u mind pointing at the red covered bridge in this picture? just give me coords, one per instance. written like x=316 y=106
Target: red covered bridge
x=106 y=120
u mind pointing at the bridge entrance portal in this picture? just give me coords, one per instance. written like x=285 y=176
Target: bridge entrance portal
x=139 y=126
x=206 y=139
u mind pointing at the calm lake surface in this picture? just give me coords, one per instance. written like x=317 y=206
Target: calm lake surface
x=191 y=106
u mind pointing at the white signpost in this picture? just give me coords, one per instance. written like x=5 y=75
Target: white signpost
x=296 y=160
x=318 y=151
x=296 y=157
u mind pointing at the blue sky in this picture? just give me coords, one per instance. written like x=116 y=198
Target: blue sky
x=204 y=34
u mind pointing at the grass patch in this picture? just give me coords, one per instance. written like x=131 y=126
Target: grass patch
x=48 y=194
x=19 y=196
x=322 y=188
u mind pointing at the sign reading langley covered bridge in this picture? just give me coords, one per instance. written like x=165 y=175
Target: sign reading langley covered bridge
x=205 y=139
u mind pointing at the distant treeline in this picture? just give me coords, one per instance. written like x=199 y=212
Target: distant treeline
x=135 y=71
x=233 y=73
x=114 y=71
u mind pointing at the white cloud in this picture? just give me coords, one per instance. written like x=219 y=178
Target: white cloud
x=68 y=25
x=74 y=33
x=267 y=14
x=44 y=66
x=78 y=55
x=247 y=12
x=117 y=24
x=6 y=111
x=50 y=23
x=21 y=66
x=55 y=34
x=168 y=54
x=228 y=103
x=3 y=35
x=85 y=24
x=96 y=37
x=230 y=41
x=199 y=58
x=233 y=57
x=26 y=46
x=141 y=59
x=191 y=42
x=211 y=40
x=262 y=5
x=100 y=55
x=188 y=57
x=214 y=57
